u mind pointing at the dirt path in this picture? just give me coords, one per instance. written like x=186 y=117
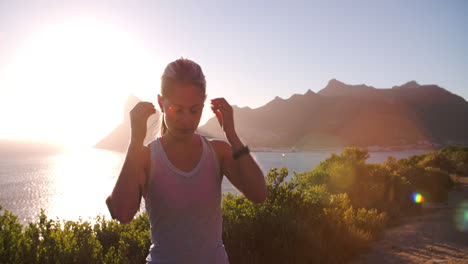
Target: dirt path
x=430 y=238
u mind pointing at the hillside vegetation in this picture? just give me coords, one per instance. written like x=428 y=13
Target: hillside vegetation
x=327 y=215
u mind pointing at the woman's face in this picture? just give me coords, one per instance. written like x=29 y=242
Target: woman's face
x=182 y=109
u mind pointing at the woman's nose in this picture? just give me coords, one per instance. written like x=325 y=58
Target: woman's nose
x=185 y=117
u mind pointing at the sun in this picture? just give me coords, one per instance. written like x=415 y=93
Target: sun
x=69 y=82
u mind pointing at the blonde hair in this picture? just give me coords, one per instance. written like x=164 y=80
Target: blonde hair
x=181 y=70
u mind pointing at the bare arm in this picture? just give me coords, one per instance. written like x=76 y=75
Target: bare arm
x=244 y=173
x=125 y=198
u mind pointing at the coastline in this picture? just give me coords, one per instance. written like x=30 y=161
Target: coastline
x=340 y=148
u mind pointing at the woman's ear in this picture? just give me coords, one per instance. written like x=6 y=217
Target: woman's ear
x=160 y=102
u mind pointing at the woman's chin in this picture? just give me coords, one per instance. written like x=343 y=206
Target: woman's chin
x=185 y=131
x=182 y=132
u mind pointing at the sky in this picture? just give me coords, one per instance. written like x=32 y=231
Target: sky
x=67 y=67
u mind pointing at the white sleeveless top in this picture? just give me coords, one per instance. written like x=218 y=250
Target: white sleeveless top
x=184 y=209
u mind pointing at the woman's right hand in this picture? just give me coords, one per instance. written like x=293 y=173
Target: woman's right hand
x=138 y=119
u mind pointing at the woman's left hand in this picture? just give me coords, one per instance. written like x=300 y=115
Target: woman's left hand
x=224 y=114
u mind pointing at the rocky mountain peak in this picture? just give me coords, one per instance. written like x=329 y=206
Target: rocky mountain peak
x=334 y=83
x=408 y=85
x=337 y=88
x=310 y=93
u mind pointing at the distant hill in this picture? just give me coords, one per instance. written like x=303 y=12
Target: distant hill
x=360 y=115
x=119 y=138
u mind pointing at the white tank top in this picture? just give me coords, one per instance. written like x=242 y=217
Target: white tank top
x=184 y=209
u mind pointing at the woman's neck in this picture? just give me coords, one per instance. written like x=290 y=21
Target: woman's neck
x=178 y=141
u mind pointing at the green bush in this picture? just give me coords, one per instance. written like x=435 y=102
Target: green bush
x=296 y=226
x=458 y=158
x=11 y=238
x=378 y=186
x=452 y=159
x=429 y=174
x=52 y=241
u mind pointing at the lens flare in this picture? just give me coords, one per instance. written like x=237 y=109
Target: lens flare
x=418 y=198
x=461 y=216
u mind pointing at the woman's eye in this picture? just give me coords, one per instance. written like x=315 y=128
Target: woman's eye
x=196 y=110
x=175 y=110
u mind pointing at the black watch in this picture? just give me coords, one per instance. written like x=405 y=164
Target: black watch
x=242 y=151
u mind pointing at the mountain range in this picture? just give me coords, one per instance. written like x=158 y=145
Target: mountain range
x=338 y=115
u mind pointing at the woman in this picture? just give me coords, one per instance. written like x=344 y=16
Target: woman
x=179 y=174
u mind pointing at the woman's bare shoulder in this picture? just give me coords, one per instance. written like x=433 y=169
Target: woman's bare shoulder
x=221 y=148
x=219 y=144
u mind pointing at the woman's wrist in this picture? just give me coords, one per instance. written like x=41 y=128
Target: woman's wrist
x=234 y=141
x=135 y=147
x=241 y=152
x=238 y=148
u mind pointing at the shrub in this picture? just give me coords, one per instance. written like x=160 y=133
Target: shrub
x=368 y=186
x=458 y=158
x=11 y=238
x=294 y=226
x=52 y=241
x=427 y=176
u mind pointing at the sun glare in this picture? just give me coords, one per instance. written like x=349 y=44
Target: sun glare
x=69 y=82
x=81 y=190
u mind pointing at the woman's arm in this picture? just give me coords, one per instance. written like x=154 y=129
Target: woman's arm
x=244 y=173
x=125 y=199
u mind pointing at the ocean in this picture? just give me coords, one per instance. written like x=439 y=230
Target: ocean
x=74 y=184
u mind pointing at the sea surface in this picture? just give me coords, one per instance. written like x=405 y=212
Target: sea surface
x=74 y=184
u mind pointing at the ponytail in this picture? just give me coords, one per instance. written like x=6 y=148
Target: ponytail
x=162 y=126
